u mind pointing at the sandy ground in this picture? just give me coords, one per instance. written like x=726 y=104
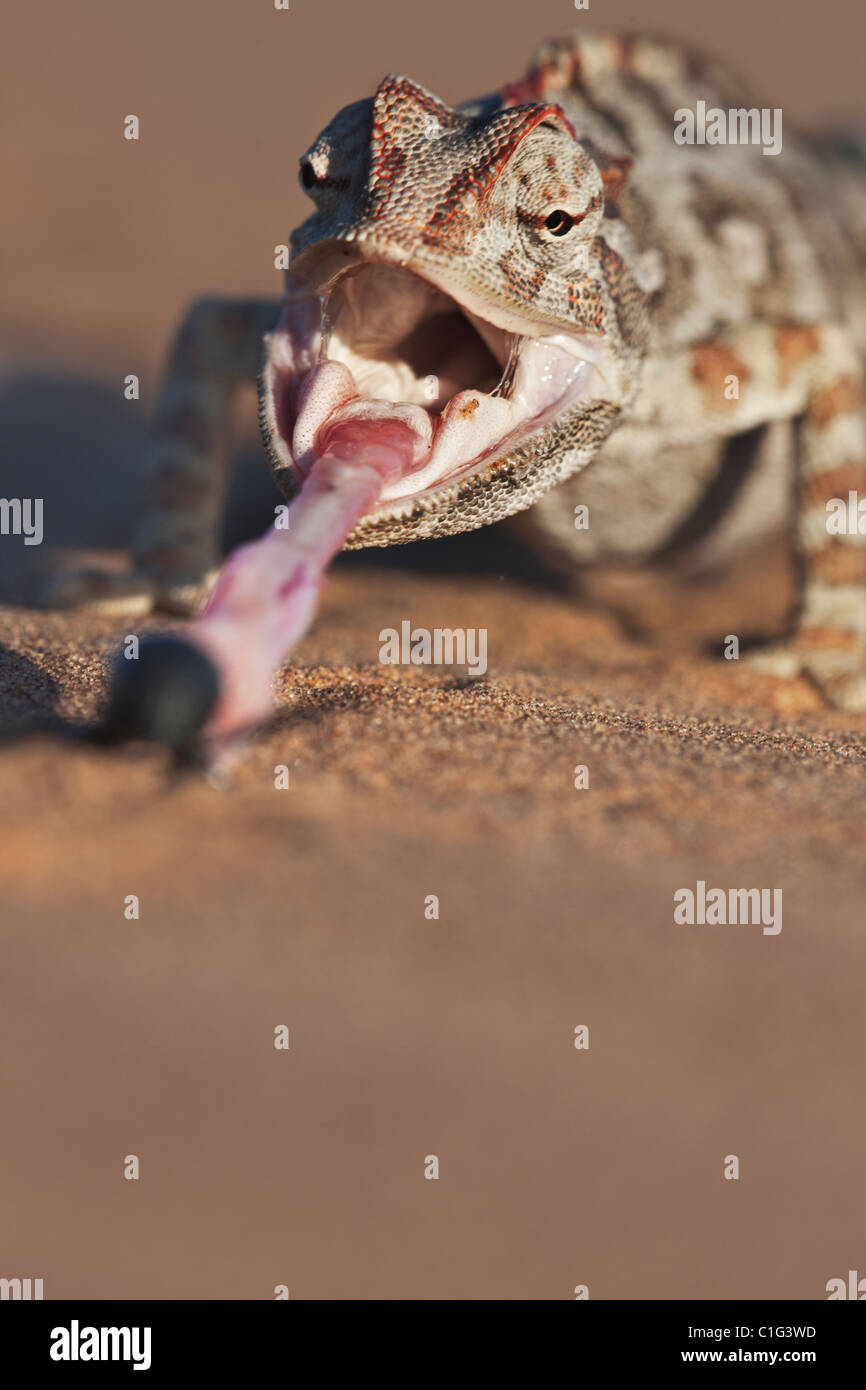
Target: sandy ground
x=454 y=1037
x=306 y=907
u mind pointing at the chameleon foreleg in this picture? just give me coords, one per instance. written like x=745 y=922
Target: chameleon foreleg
x=175 y=541
x=217 y=349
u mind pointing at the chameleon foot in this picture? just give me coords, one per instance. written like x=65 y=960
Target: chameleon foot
x=185 y=599
x=102 y=591
x=130 y=592
x=841 y=682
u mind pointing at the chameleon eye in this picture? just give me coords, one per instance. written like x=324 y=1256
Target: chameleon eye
x=560 y=222
x=308 y=175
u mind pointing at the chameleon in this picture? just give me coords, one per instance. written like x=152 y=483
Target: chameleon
x=571 y=312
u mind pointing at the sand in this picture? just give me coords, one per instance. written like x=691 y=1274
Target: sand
x=410 y=1036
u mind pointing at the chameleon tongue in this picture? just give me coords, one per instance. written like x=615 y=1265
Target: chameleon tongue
x=329 y=395
x=267 y=592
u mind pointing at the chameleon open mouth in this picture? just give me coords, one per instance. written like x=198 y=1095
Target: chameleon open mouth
x=374 y=340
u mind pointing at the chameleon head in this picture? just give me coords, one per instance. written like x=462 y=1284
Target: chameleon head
x=458 y=271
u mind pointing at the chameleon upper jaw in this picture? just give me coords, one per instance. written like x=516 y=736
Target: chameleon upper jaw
x=377 y=341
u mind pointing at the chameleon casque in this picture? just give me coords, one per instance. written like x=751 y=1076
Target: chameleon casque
x=543 y=280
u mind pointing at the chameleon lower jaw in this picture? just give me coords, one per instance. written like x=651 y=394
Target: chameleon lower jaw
x=380 y=341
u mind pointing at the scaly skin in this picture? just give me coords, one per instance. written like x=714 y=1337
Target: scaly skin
x=688 y=266
x=461 y=199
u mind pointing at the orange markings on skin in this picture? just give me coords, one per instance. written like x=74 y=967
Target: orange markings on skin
x=840 y=562
x=530 y=88
x=711 y=364
x=828 y=639
x=843 y=397
x=614 y=175
x=795 y=343
x=834 y=482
